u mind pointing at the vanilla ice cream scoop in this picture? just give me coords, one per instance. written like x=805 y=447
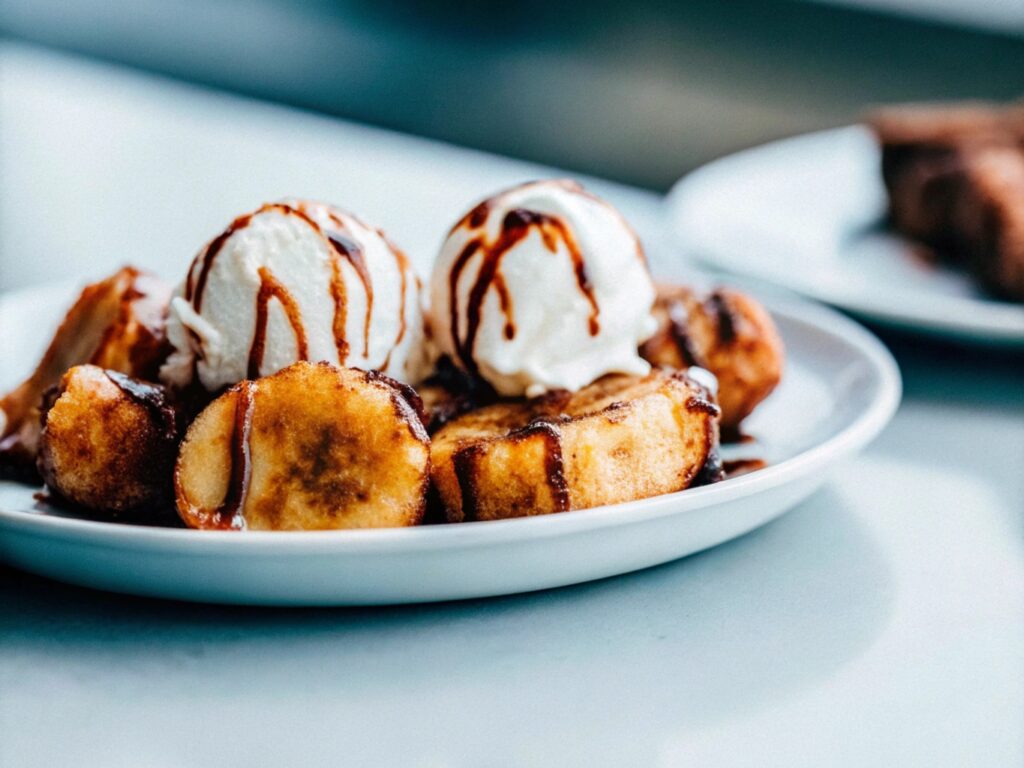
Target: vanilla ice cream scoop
x=294 y=281
x=542 y=287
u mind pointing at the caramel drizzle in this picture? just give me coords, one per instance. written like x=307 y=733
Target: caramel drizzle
x=402 y=263
x=464 y=462
x=743 y=466
x=150 y=396
x=505 y=299
x=340 y=296
x=679 y=322
x=208 y=257
x=516 y=226
x=342 y=247
x=339 y=293
x=466 y=458
x=476 y=216
x=229 y=514
x=346 y=248
x=724 y=316
x=271 y=288
x=554 y=464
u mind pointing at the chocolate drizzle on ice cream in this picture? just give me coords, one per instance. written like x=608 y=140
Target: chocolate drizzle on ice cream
x=353 y=258
x=525 y=248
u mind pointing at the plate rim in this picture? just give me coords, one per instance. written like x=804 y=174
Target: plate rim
x=981 y=320
x=859 y=432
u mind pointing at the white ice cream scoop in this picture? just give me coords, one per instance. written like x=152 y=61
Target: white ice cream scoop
x=292 y=281
x=542 y=287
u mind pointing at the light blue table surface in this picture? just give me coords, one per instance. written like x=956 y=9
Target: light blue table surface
x=879 y=623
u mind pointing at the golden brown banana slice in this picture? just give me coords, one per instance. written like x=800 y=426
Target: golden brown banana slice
x=622 y=438
x=726 y=332
x=117 y=323
x=311 y=447
x=109 y=442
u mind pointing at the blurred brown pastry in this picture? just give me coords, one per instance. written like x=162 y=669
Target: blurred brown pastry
x=988 y=220
x=311 y=447
x=725 y=332
x=108 y=443
x=117 y=324
x=955 y=178
x=931 y=128
x=621 y=438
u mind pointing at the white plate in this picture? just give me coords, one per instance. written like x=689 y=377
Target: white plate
x=806 y=214
x=840 y=389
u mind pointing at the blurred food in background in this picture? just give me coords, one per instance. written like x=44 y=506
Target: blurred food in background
x=955 y=177
x=640 y=91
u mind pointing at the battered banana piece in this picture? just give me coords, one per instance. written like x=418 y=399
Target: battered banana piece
x=311 y=447
x=117 y=323
x=622 y=438
x=726 y=332
x=108 y=444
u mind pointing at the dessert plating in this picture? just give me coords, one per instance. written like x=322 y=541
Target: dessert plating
x=297 y=379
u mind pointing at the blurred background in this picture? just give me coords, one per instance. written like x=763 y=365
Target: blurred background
x=638 y=91
x=130 y=130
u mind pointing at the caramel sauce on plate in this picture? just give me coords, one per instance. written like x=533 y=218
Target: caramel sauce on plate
x=743 y=466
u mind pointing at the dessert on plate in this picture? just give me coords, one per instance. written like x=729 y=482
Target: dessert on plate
x=117 y=324
x=301 y=375
x=955 y=178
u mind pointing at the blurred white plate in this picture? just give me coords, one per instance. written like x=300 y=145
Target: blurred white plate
x=806 y=214
x=840 y=389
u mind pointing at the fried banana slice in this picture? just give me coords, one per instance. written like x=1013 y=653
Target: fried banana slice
x=109 y=443
x=726 y=332
x=311 y=447
x=118 y=324
x=622 y=438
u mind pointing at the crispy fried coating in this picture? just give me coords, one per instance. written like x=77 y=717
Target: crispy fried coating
x=118 y=324
x=726 y=332
x=108 y=443
x=311 y=447
x=622 y=438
